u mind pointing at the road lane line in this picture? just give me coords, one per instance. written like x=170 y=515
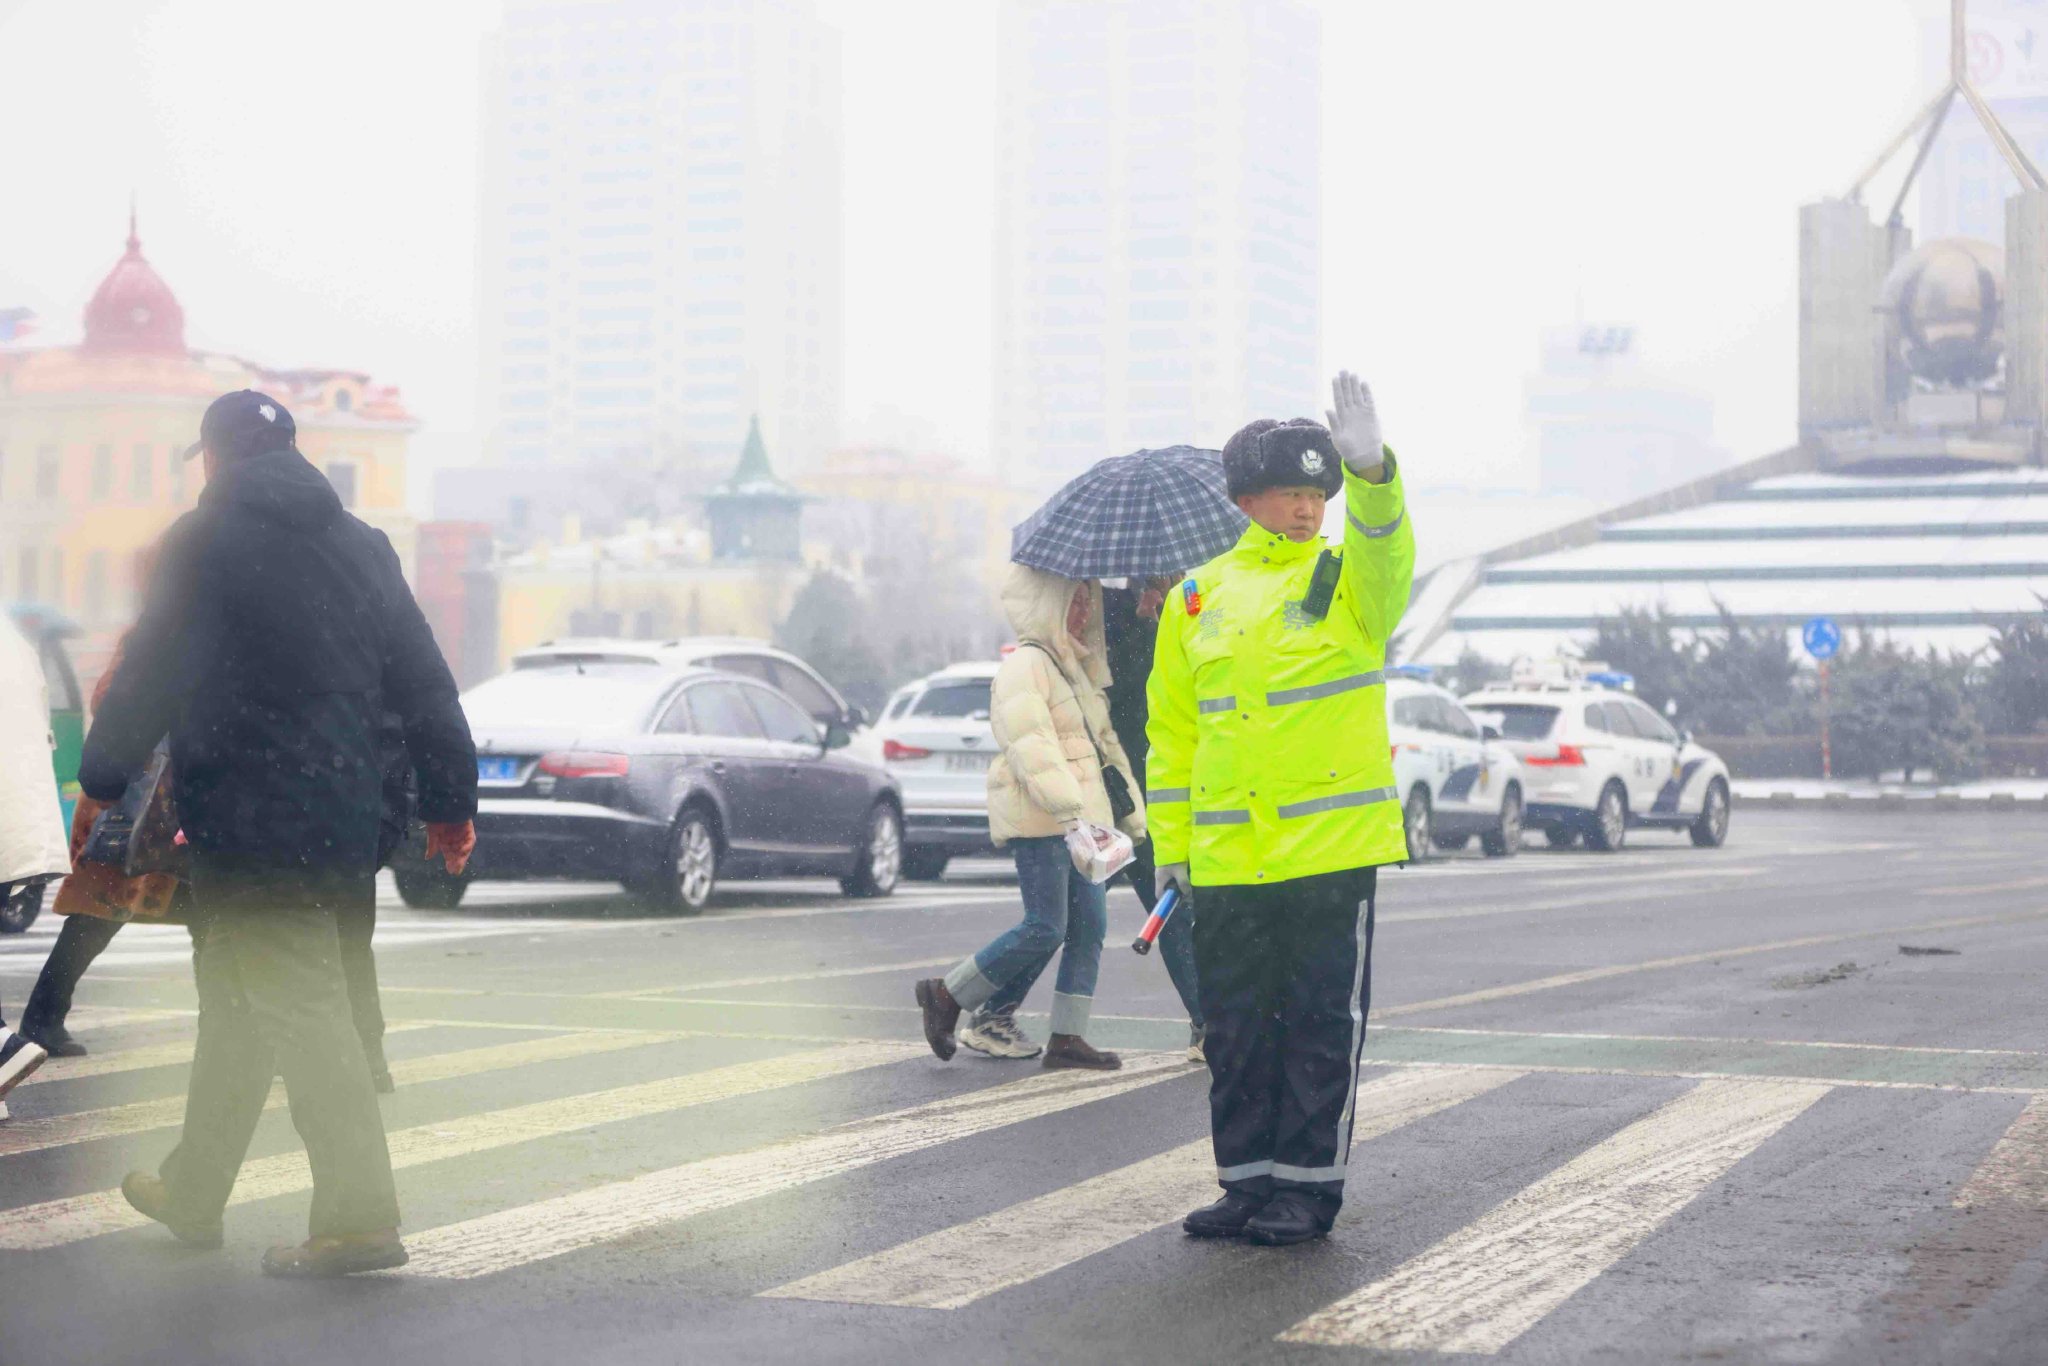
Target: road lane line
x=52 y=1223
x=2024 y=884
x=1485 y=1285
x=1723 y=1039
x=21 y=1135
x=957 y=1266
x=2015 y=1172
x=1572 y=979
x=727 y=984
x=569 y=1223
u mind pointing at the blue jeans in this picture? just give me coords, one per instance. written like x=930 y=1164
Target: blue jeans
x=1064 y=913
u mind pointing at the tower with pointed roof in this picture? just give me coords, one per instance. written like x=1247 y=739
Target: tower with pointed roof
x=754 y=515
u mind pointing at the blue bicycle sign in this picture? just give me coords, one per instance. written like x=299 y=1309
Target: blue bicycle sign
x=1822 y=637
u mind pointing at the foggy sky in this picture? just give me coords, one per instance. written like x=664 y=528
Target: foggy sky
x=307 y=183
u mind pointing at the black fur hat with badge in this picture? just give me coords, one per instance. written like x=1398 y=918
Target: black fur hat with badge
x=1269 y=454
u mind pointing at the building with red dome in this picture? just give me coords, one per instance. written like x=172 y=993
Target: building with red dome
x=92 y=436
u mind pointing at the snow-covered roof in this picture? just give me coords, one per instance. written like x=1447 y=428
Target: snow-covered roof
x=1929 y=560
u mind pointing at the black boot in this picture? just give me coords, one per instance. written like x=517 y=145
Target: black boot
x=1289 y=1217
x=1224 y=1219
x=54 y=1038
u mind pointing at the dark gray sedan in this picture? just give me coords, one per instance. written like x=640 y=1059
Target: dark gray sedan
x=666 y=779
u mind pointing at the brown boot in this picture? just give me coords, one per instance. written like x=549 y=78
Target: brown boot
x=147 y=1193
x=941 y=1014
x=337 y=1256
x=1071 y=1050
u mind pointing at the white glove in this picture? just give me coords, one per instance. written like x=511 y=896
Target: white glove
x=1355 y=427
x=1172 y=875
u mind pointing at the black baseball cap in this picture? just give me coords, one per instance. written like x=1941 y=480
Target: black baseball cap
x=244 y=423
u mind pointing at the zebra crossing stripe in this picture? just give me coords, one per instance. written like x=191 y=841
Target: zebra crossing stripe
x=2014 y=1173
x=51 y=1131
x=1484 y=1286
x=115 y=1061
x=958 y=1266
x=53 y=1223
x=532 y=1233
x=778 y=979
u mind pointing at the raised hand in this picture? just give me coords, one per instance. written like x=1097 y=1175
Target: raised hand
x=1355 y=426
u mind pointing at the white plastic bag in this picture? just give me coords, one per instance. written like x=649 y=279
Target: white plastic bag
x=1099 y=853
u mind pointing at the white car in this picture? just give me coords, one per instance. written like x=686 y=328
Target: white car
x=1600 y=762
x=936 y=742
x=1456 y=780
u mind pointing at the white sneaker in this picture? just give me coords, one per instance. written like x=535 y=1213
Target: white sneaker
x=1197 y=1036
x=18 y=1058
x=3 y=1111
x=997 y=1036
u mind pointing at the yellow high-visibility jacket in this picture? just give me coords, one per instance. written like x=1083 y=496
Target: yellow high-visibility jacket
x=1269 y=730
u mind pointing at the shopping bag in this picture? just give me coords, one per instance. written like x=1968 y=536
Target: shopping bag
x=1099 y=853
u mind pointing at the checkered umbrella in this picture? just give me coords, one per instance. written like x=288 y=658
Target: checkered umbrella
x=1149 y=512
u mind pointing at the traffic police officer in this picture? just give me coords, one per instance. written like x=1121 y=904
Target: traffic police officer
x=1272 y=795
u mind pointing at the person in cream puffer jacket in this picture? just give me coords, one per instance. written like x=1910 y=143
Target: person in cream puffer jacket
x=1051 y=718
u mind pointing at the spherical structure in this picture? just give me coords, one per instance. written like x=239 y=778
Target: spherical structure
x=1949 y=300
x=133 y=312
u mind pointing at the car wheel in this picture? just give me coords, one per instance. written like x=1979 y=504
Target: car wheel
x=1710 y=831
x=428 y=885
x=1418 y=820
x=1610 y=820
x=1505 y=840
x=688 y=872
x=23 y=904
x=879 y=860
x=1560 y=836
x=925 y=865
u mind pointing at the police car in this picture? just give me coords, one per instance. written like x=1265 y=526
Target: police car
x=1455 y=778
x=1600 y=762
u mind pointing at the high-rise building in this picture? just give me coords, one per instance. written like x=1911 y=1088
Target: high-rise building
x=1158 y=225
x=660 y=239
x=1965 y=184
x=1605 y=425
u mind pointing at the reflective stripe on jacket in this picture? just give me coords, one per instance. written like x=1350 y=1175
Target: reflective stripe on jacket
x=1269 y=729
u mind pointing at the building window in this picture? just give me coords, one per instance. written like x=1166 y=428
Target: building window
x=344 y=401
x=142 y=476
x=342 y=474
x=57 y=577
x=95 y=592
x=102 y=472
x=48 y=465
x=31 y=566
x=176 y=469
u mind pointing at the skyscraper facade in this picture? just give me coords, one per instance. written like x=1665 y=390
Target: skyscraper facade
x=660 y=253
x=1158 y=254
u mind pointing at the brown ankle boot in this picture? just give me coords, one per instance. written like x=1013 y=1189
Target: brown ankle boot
x=342 y=1255
x=1071 y=1050
x=941 y=1014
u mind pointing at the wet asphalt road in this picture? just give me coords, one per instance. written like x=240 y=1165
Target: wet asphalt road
x=1780 y=1101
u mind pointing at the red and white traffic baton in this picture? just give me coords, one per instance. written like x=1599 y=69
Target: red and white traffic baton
x=1156 y=921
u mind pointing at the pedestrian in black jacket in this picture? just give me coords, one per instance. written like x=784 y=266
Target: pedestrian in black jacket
x=277 y=630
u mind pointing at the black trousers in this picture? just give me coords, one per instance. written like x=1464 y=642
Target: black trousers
x=85 y=937
x=1286 y=975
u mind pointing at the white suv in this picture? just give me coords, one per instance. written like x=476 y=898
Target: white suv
x=936 y=741
x=1600 y=762
x=1456 y=780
